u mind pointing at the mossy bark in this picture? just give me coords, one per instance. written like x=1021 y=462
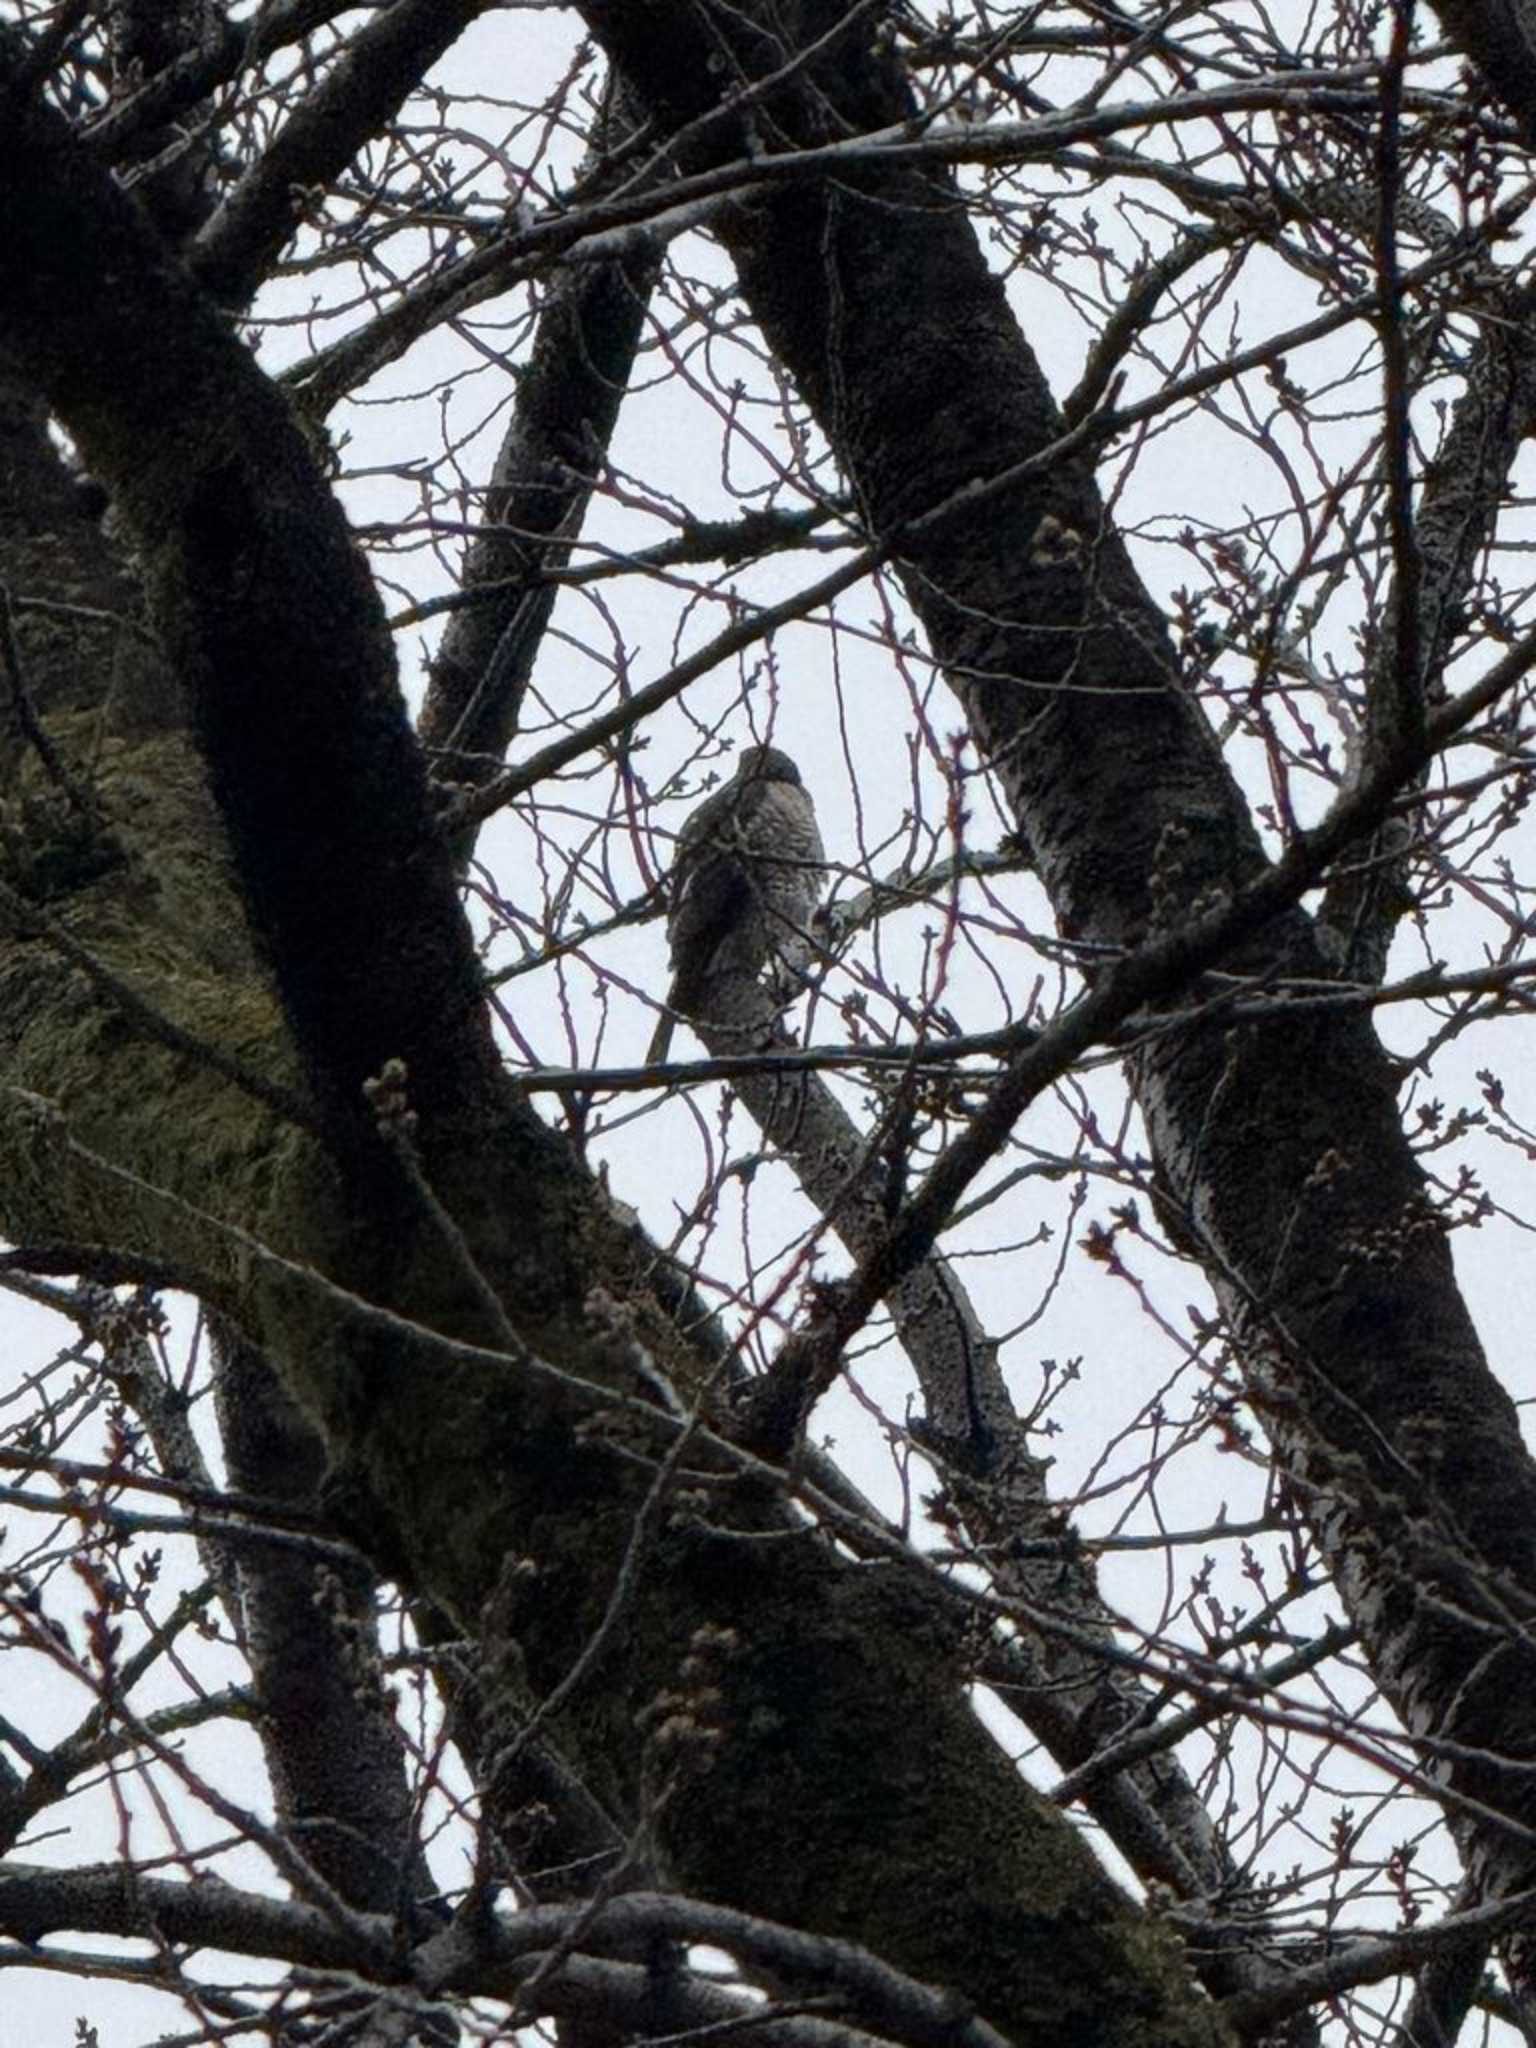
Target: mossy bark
x=850 y=1787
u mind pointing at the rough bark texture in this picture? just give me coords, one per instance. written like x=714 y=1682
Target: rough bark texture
x=275 y=885
x=362 y=92
x=1500 y=38
x=1281 y=1142
x=840 y=1689
x=568 y=399
x=332 y=1746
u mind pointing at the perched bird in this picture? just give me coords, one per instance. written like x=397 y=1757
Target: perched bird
x=747 y=878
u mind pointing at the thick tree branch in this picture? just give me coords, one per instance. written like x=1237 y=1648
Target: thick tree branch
x=1500 y=38
x=568 y=400
x=384 y=62
x=1384 y=1415
x=268 y=613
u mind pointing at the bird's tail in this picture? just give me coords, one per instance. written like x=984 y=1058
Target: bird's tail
x=661 y=1039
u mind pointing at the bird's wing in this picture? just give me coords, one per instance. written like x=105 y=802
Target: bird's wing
x=713 y=895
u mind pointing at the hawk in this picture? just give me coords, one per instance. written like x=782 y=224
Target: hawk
x=747 y=878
